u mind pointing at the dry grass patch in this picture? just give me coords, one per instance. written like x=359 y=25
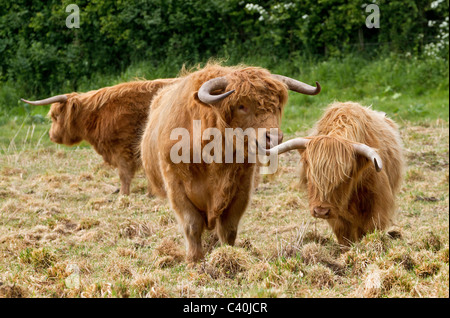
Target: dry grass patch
x=372 y=282
x=12 y=171
x=87 y=223
x=227 y=261
x=40 y=258
x=394 y=281
x=119 y=269
x=402 y=257
x=431 y=242
x=149 y=285
x=313 y=253
x=58 y=213
x=321 y=276
x=13 y=291
x=126 y=252
x=131 y=229
x=427 y=264
x=443 y=255
x=397 y=282
x=168 y=254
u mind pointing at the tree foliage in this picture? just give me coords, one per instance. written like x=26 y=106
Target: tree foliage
x=39 y=54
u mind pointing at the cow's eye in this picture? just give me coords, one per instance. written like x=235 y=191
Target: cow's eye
x=242 y=108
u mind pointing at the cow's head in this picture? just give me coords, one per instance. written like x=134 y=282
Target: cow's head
x=330 y=168
x=63 y=114
x=251 y=97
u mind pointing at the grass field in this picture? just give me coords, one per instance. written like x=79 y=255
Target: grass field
x=64 y=234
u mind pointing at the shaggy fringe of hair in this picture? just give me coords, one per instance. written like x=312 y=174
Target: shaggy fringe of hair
x=322 y=151
x=348 y=122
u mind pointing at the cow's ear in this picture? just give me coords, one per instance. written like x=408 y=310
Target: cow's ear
x=195 y=95
x=197 y=100
x=71 y=109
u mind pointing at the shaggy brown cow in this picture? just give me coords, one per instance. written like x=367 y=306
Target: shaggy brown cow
x=352 y=167
x=111 y=119
x=211 y=195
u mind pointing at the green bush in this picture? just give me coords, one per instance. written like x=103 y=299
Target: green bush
x=40 y=56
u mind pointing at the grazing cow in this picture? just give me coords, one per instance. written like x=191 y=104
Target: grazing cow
x=352 y=166
x=211 y=195
x=111 y=119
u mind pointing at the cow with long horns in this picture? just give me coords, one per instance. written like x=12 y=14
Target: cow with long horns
x=352 y=167
x=212 y=195
x=111 y=119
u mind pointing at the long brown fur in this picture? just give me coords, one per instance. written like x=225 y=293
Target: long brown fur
x=359 y=198
x=111 y=119
x=208 y=195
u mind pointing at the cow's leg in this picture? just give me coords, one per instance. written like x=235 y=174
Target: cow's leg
x=189 y=218
x=193 y=225
x=227 y=224
x=154 y=188
x=126 y=174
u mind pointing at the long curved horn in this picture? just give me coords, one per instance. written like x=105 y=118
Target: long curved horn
x=50 y=100
x=204 y=93
x=296 y=143
x=370 y=154
x=298 y=86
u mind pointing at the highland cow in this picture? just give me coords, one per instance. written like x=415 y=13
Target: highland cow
x=352 y=167
x=111 y=119
x=212 y=195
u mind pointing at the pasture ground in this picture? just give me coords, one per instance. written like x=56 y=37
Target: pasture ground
x=64 y=234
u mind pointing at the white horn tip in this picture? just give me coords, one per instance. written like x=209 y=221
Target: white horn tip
x=378 y=165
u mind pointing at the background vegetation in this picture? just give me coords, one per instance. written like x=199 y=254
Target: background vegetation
x=313 y=40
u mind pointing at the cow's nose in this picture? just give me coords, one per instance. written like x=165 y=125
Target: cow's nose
x=320 y=212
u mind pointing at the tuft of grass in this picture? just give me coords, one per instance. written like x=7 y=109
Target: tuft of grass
x=321 y=276
x=431 y=242
x=227 y=261
x=40 y=258
x=372 y=282
x=131 y=229
x=312 y=254
x=87 y=223
x=427 y=264
x=443 y=255
x=397 y=282
x=13 y=291
x=168 y=254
